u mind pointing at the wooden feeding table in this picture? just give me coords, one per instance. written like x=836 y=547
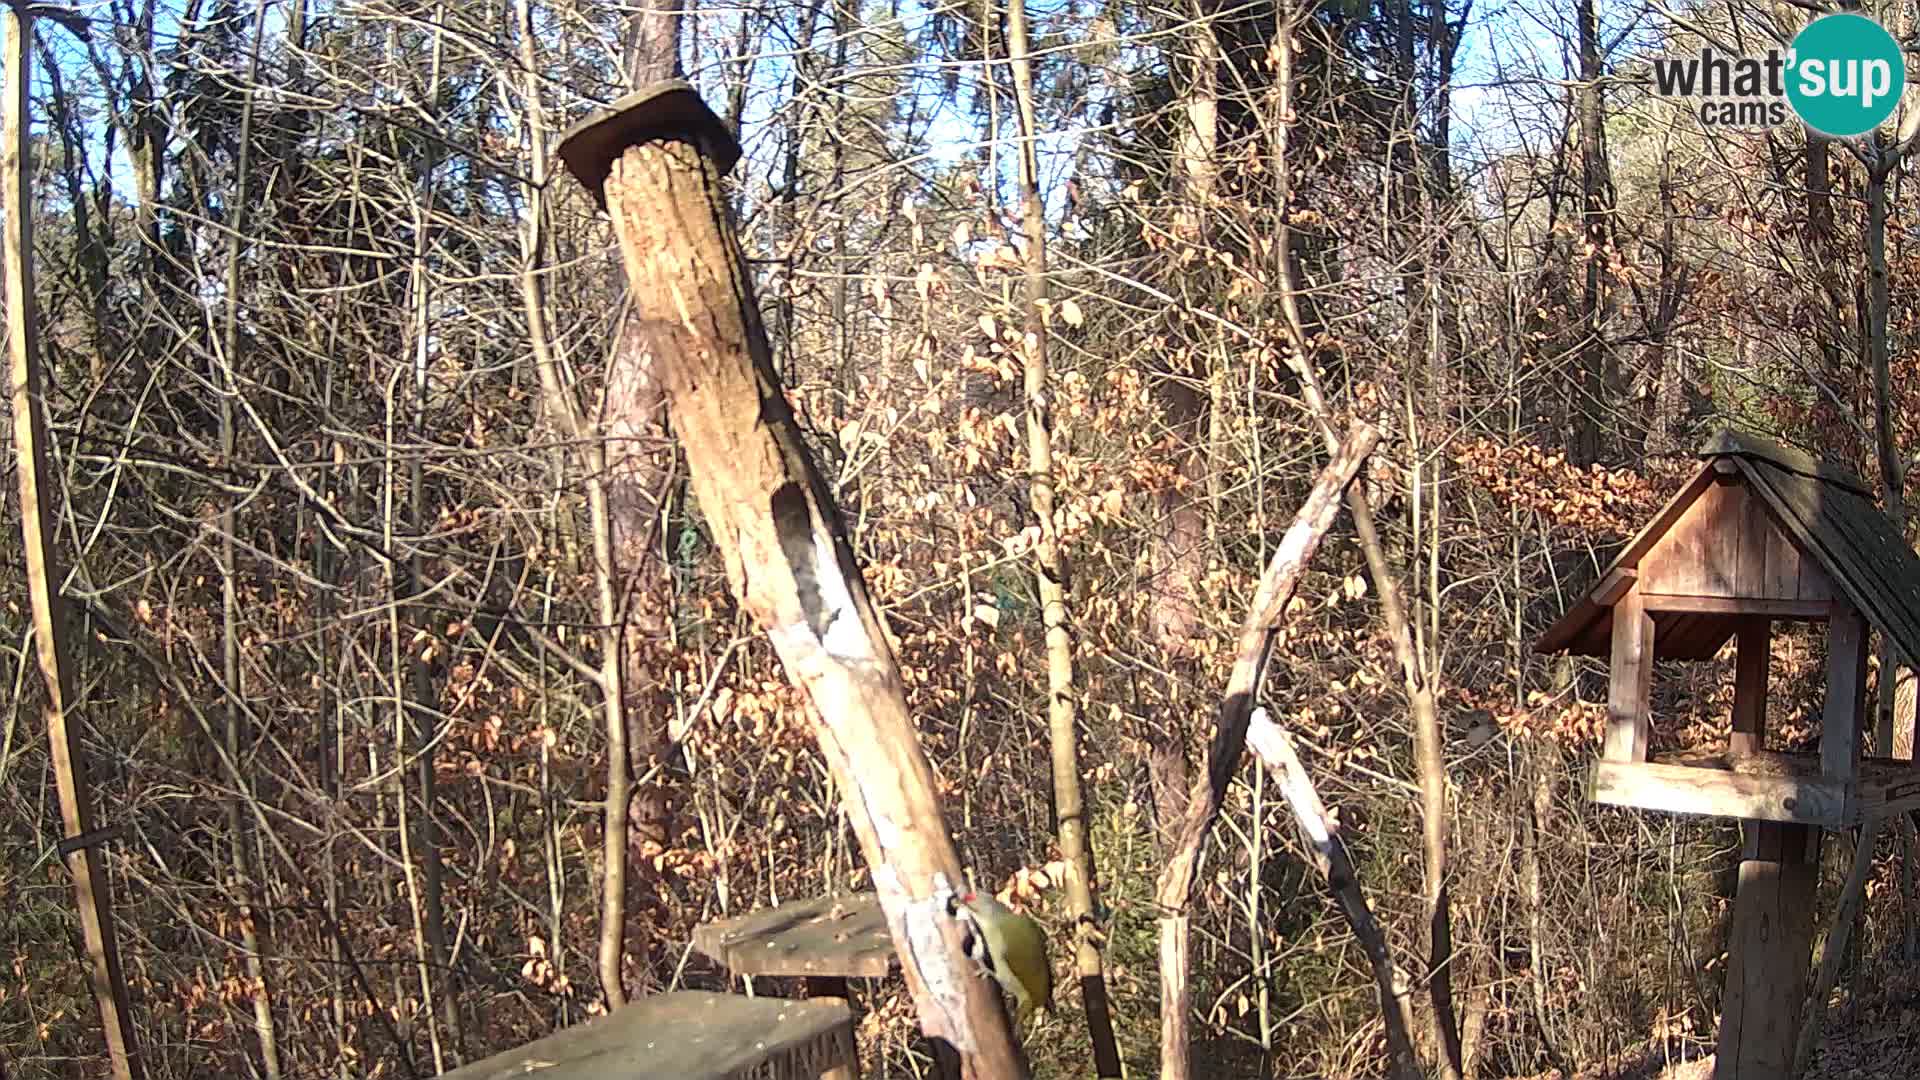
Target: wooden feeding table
x=1761 y=534
x=825 y=940
x=689 y=1035
x=1761 y=785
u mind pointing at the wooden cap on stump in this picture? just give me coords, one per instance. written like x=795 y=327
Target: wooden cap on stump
x=669 y=109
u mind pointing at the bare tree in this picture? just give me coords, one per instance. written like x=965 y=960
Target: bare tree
x=81 y=849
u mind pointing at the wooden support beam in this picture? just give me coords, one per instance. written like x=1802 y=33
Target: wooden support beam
x=1687 y=789
x=1630 y=685
x=1750 y=686
x=833 y=988
x=1737 y=605
x=1615 y=585
x=1763 y=785
x=1769 y=945
x=1846 y=707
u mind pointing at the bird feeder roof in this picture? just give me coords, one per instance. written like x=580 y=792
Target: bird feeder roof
x=1758 y=521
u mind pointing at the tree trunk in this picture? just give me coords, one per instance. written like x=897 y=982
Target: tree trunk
x=1069 y=803
x=638 y=464
x=1266 y=613
x=1595 y=374
x=52 y=635
x=654 y=52
x=1179 y=557
x=790 y=563
x=1892 y=472
x=253 y=937
x=1819 y=244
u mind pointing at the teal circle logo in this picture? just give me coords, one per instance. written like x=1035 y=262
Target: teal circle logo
x=1845 y=75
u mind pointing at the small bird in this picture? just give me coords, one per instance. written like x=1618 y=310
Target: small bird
x=1013 y=949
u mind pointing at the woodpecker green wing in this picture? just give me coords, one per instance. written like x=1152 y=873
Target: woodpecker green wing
x=1016 y=953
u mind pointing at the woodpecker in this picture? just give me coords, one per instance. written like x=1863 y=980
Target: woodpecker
x=1013 y=949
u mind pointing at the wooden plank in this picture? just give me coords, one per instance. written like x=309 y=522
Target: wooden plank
x=1886 y=798
x=1719 y=509
x=1573 y=624
x=1783 y=559
x=1796 y=510
x=1845 y=711
x=1677 y=563
x=1750 y=687
x=825 y=936
x=1755 y=526
x=830 y=987
x=1737 y=605
x=1630 y=682
x=689 y=1035
x=1814 y=583
x=1906 y=714
x=1769 y=947
x=1681 y=789
x=1614 y=585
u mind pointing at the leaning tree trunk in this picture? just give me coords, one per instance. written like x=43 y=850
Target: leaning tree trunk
x=1174 y=890
x=787 y=554
x=1273 y=745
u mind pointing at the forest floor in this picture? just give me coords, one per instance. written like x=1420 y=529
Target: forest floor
x=1877 y=1044
x=1878 y=1041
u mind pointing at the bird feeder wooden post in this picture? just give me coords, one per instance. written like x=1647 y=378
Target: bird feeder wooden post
x=1761 y=534
x=654 y=159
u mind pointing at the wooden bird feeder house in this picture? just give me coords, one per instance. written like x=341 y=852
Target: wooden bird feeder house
x=1760 y=534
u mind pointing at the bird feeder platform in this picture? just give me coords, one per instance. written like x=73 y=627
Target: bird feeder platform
x=826 y=937
x=1759 y=786
x=824 y=941
x=689 y=1035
